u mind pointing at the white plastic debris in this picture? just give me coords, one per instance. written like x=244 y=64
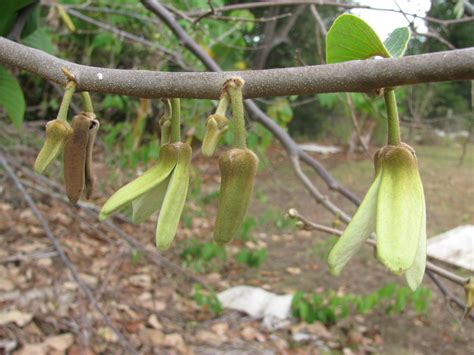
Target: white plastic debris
x=455 y=247
x=322 y=149
x=256 y=302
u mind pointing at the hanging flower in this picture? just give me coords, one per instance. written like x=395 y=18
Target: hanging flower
x=163 y=186
x=394 y=208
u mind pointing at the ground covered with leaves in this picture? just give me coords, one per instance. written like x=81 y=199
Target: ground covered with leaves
x=154 y=300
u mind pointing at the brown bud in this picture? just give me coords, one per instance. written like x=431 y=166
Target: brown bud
x=75 y=156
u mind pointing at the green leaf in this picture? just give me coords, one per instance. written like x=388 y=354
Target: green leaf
x=11 y=97
x=32 y=23
x=40 y=39
x=396 y=42
x=245 y=14
x=459 y=9
x=8 y=13
x=351 y=38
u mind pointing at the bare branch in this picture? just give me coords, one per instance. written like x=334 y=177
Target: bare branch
x=356 y=76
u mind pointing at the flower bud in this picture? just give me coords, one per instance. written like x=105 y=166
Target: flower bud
x=216 y=126
x=57 y=132
x=238 y=168
x=75 y=155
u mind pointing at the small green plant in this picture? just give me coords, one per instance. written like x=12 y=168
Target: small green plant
x=248 y=225
x=135 y=256
x=207 y=299
x=322 y=247
x=203 y=256
x=277 y=218
x=329 y=307
x=252 y=258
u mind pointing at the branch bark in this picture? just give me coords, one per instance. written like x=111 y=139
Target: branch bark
x=356 y=76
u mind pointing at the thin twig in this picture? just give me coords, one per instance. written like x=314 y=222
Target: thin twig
x=348 y=102
x=318 y=196
x=355 y=123
x=210 y=12
x=255 y=20
x=20 y=21
x=64 y=258
x=129 y=36
x=448 y=295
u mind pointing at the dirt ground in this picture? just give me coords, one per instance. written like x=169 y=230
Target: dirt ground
x=148 y=297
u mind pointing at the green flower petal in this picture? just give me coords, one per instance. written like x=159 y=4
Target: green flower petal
x=149 y=203
x=175 y=197
x=414 y=275
x=358 y=230
x=216 y=126
x=400 y=204
x=56 y=133
x=151 y=178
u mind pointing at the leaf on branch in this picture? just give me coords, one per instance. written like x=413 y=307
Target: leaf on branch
x=351 y=38
x=396 y=42
x=11 y=97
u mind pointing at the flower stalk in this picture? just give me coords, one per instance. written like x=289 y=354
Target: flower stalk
x=393 y=121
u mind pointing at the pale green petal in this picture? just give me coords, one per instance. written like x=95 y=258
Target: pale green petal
x=399 y=210
x=175 y=197
x=151 y=178
x=359 y=229
x=57 y=132
x=149 y=203
x=414 y=275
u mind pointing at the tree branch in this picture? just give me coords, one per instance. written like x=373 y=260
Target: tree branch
x=356 y=76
